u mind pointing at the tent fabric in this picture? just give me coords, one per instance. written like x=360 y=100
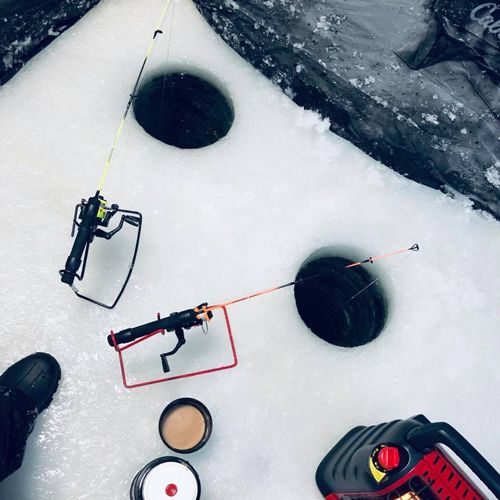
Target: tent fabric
x=462 y=32
x=27 y=26
x=413 y=83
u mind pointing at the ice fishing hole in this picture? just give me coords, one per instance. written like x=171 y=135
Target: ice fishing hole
x=344 y=307
x=183 y=110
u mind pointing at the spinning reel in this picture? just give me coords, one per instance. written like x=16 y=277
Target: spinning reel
x=89 y=217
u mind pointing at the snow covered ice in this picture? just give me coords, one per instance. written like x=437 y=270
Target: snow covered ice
x=222 y=221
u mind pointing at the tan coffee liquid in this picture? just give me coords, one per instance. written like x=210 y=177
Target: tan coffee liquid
x=183 y=428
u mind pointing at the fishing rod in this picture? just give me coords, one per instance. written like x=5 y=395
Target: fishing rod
x=202 y=314
x=371 y=260
x=93 y=214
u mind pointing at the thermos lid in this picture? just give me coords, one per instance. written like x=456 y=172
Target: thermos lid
x=164 y=479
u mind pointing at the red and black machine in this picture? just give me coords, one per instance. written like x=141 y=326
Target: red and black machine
x=403 y=460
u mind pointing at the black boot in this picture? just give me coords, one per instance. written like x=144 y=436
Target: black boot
x=26 y=389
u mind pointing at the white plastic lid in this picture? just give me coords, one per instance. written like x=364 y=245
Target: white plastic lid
x=170 y=481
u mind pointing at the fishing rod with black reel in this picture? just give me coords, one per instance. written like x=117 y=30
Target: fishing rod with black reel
x=89 y=218
x=93 y=214
x=202 y=314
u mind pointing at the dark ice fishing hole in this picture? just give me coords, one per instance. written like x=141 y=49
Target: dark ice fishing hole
x=183 y=110
x=331 y=304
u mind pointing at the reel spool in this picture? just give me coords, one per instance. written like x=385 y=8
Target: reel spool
x=166 y=478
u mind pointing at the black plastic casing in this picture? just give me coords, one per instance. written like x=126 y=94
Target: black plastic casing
x=345 y=467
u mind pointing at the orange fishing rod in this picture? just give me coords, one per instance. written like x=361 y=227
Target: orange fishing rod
x=178 y=322
x=369 y=260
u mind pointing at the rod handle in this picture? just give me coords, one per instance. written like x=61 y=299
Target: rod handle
x=83 y=238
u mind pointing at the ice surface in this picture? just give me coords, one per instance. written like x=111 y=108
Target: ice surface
x=236 y=217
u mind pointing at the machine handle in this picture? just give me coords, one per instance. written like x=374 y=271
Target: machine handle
x=428 y=435
x=83 y=237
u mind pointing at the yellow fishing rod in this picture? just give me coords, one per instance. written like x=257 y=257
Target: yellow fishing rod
x=94 y=213
x=133 y=95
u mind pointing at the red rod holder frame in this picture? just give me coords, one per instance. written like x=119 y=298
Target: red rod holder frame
x=120 y=351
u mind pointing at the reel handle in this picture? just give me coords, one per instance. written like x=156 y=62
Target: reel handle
x=83 y=237
x=184 y=319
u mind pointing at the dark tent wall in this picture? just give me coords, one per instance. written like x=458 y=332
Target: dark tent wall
x=27 y=26
x=412 y=83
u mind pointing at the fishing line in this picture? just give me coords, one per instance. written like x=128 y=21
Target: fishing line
x=169 y=43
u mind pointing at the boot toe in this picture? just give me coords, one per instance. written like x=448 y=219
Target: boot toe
x=37 y=376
